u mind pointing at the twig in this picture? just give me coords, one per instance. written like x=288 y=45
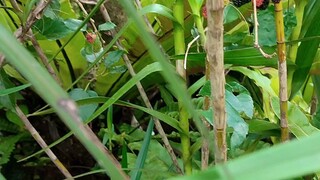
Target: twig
x=143 y=94
x=42 y=143
x=21 y=32
x=43 y=57
x=32 y=18
x=256 y=39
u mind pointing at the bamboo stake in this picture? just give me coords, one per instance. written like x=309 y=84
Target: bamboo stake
x=215 y=53
x=282 y=70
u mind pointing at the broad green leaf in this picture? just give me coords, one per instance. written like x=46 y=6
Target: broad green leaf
x=53 y=10
x=300 y=156
x=234 y=120
x=106 y=26
x=52 y=29
x=85 y=111
x=230 y=14
x=262 y=81
x=112 y=58
x=298 y=122
x=267 y=31
x=257 y=126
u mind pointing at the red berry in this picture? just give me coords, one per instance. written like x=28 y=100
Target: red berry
x=91 y=37
x=204 y=12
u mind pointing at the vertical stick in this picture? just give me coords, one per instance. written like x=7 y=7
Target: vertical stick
x=282 y=69
x=215 y=53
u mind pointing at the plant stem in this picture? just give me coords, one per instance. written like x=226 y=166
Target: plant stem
x=215 y=55
x=282 y=70
x=179 y=45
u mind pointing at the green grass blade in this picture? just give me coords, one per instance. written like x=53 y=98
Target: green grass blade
x=284 y=161
x=54 y=95
x=307 y=50
x=169 y=74
x=125 y=88
x=136 y=173
x=13 y=90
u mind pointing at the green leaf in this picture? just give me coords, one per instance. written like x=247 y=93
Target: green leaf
x=112 y=58
x=195 y=6
x=74 y=24
x=257 y=126
x=297 y=121
x=234 y=120
x=8 y=91
x=117 y=69
x=158 y=9
x=106 y=26
x=7 y=145
x=267 y=31
x=7 y=126
x=85 y=110
x=307 y=49
x=52 y=29
x=7 y=101
x=270 y=163
x=14 y=118
x=136 y=173
x=53 y=10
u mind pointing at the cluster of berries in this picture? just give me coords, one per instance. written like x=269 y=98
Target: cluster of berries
x=261 y=4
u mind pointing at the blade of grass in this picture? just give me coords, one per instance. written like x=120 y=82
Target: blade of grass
x=139 y=76
x=52 y=93
x=142 y=156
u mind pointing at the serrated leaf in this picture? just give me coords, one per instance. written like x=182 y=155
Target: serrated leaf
x=7 y=145
x=112 y=58
x=7 y=126
x=85 y=111
x=106 y=26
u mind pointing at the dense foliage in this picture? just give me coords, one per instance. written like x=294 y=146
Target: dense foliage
x=73 y=49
